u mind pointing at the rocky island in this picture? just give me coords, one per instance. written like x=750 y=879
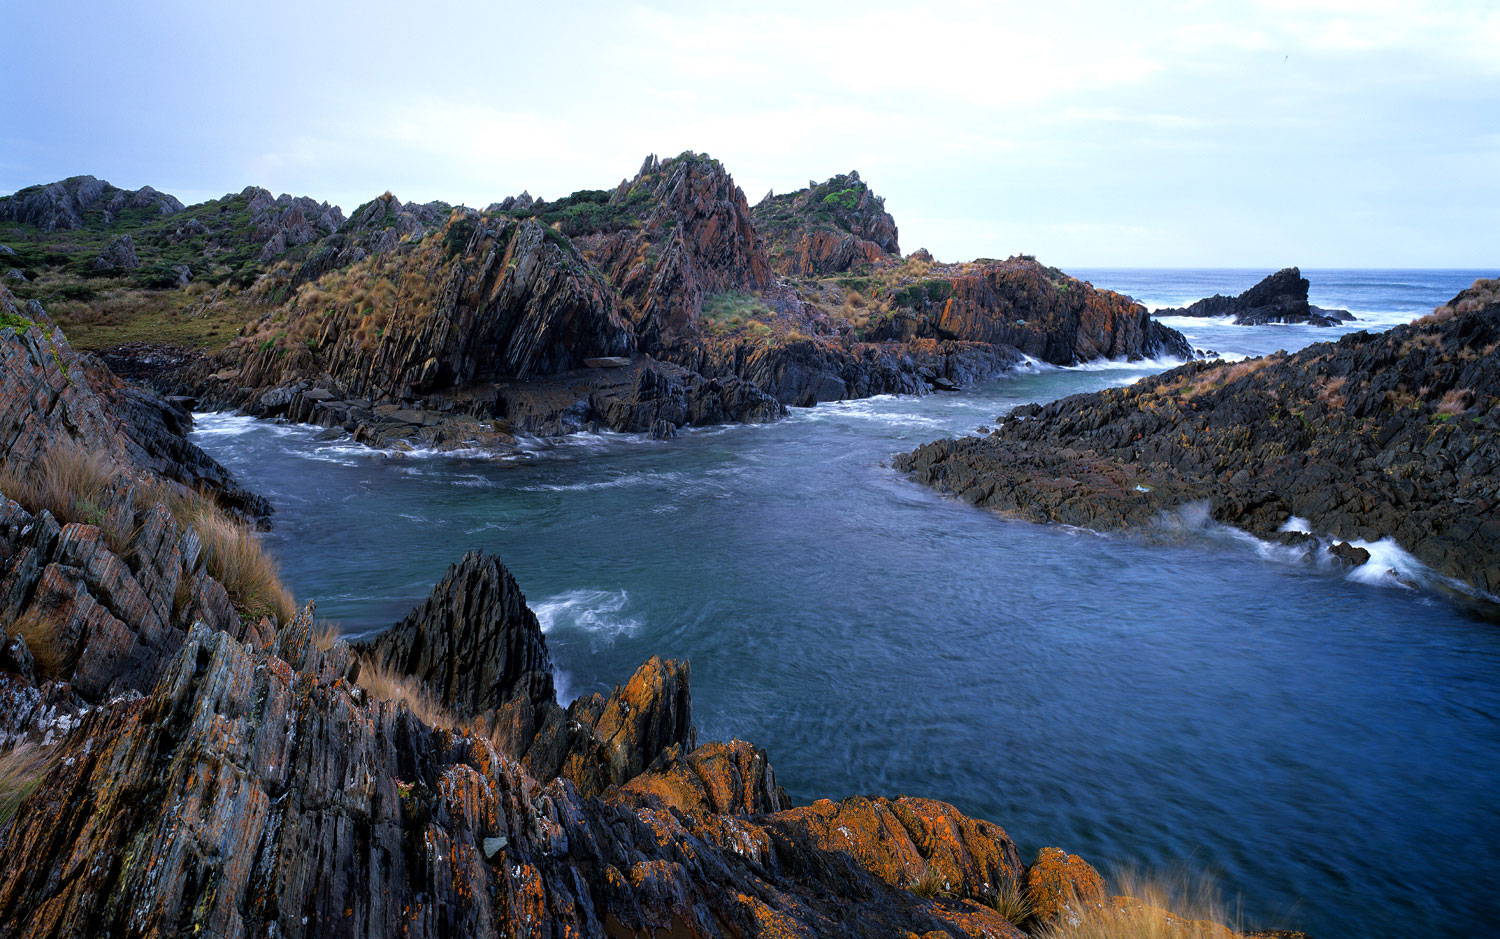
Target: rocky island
x=1278 y=298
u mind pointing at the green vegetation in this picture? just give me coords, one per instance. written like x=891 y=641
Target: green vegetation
x=10 y=320
x=456 y=238
x=844 y=198
x=915 y=295
x=725 y=313
x=592 y=211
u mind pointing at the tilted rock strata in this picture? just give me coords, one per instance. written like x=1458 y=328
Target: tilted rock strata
x=473 y=641
x=1391 y=435
x=220 y=781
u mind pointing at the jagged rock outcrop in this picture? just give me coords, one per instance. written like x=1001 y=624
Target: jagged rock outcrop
x=118 y=255
x=1390 y=435
x=262 y=791
x=473 y=641
x=98 y=603
x=827 y=228
x=695 y=235
x=82 y=201
x=1045 y=314
x=50 y=394
x=1279 y=298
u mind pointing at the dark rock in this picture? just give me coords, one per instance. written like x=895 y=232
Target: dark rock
x=1391 y=435
x=79 y=202
x=119 y=255
x=1348 y=555
x=473 y=642
x=1279 y=298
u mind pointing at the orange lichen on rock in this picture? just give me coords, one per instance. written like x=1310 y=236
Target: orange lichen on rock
x=1058 y=882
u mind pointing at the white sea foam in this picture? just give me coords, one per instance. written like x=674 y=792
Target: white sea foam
x=629 y=479
x=598 y=613
x=1297 y=524
x=1105 y=365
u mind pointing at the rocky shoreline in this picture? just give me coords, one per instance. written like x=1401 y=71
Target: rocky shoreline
x=1394 y=435
x=196 y=761
x=442 y=327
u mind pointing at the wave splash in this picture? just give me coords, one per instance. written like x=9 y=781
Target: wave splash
x=600 y=614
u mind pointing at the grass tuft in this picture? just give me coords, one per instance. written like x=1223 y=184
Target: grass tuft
x=384 y=684
x=22 y=770
x=1149 y=909
x=41 y=630
x=1012 y=902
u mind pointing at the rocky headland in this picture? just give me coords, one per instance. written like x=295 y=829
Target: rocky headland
x=665 y=302
x=1393 y=435
x=183 y=752
x=1278 y=298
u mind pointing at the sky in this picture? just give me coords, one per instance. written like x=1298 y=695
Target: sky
x=1322 y=133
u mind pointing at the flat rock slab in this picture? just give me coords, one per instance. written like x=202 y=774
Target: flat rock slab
x=607 y=361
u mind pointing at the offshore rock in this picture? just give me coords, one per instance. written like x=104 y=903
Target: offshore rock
x=1279 y=298
x=473 y=641
x=1391 y=435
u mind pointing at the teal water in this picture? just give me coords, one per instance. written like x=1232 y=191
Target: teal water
x=1325 y=746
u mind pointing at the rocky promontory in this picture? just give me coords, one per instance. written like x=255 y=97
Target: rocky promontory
x=1393 y=435
x=662 y=303
x=1279 y=298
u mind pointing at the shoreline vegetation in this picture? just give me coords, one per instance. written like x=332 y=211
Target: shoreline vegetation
x=183 y=749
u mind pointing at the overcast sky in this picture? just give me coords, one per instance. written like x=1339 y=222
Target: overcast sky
x=1335 y=133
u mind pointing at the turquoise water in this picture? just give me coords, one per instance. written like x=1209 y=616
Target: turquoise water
x=1325 y=745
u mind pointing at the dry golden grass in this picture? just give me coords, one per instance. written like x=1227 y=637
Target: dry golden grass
x=1148 y=910
x=385 y=685
x=1421 y=341
x=233 y=552
x=1217 y=377
x=71 y=483
x=40 y=630
x=1481 y=294
x=1011 y=901
x=22 y=770
x=1456 y=401
x=1330 y=391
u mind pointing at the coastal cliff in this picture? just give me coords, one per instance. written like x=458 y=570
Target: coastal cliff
x=1394 y=435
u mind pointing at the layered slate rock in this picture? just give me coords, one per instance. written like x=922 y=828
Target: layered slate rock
x=827 y=228
x=1047 y=315
x=116 y=592
x=473 y=641
x=263 y=791
x=1390 y=435
x=50 y=395
x=692 y=234
x=1279 y=298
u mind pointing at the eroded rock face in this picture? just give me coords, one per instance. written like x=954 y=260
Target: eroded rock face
x=50 y=394
x=262 y=791
x=473 y=641
x=118 y=255
x=827 y=228
x=1391 y=435
x=1050 y=316
x=696 y=237
x=1279 y=298
x=81 y=201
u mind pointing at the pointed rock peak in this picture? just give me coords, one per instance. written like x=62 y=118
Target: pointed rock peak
x=650 y=165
